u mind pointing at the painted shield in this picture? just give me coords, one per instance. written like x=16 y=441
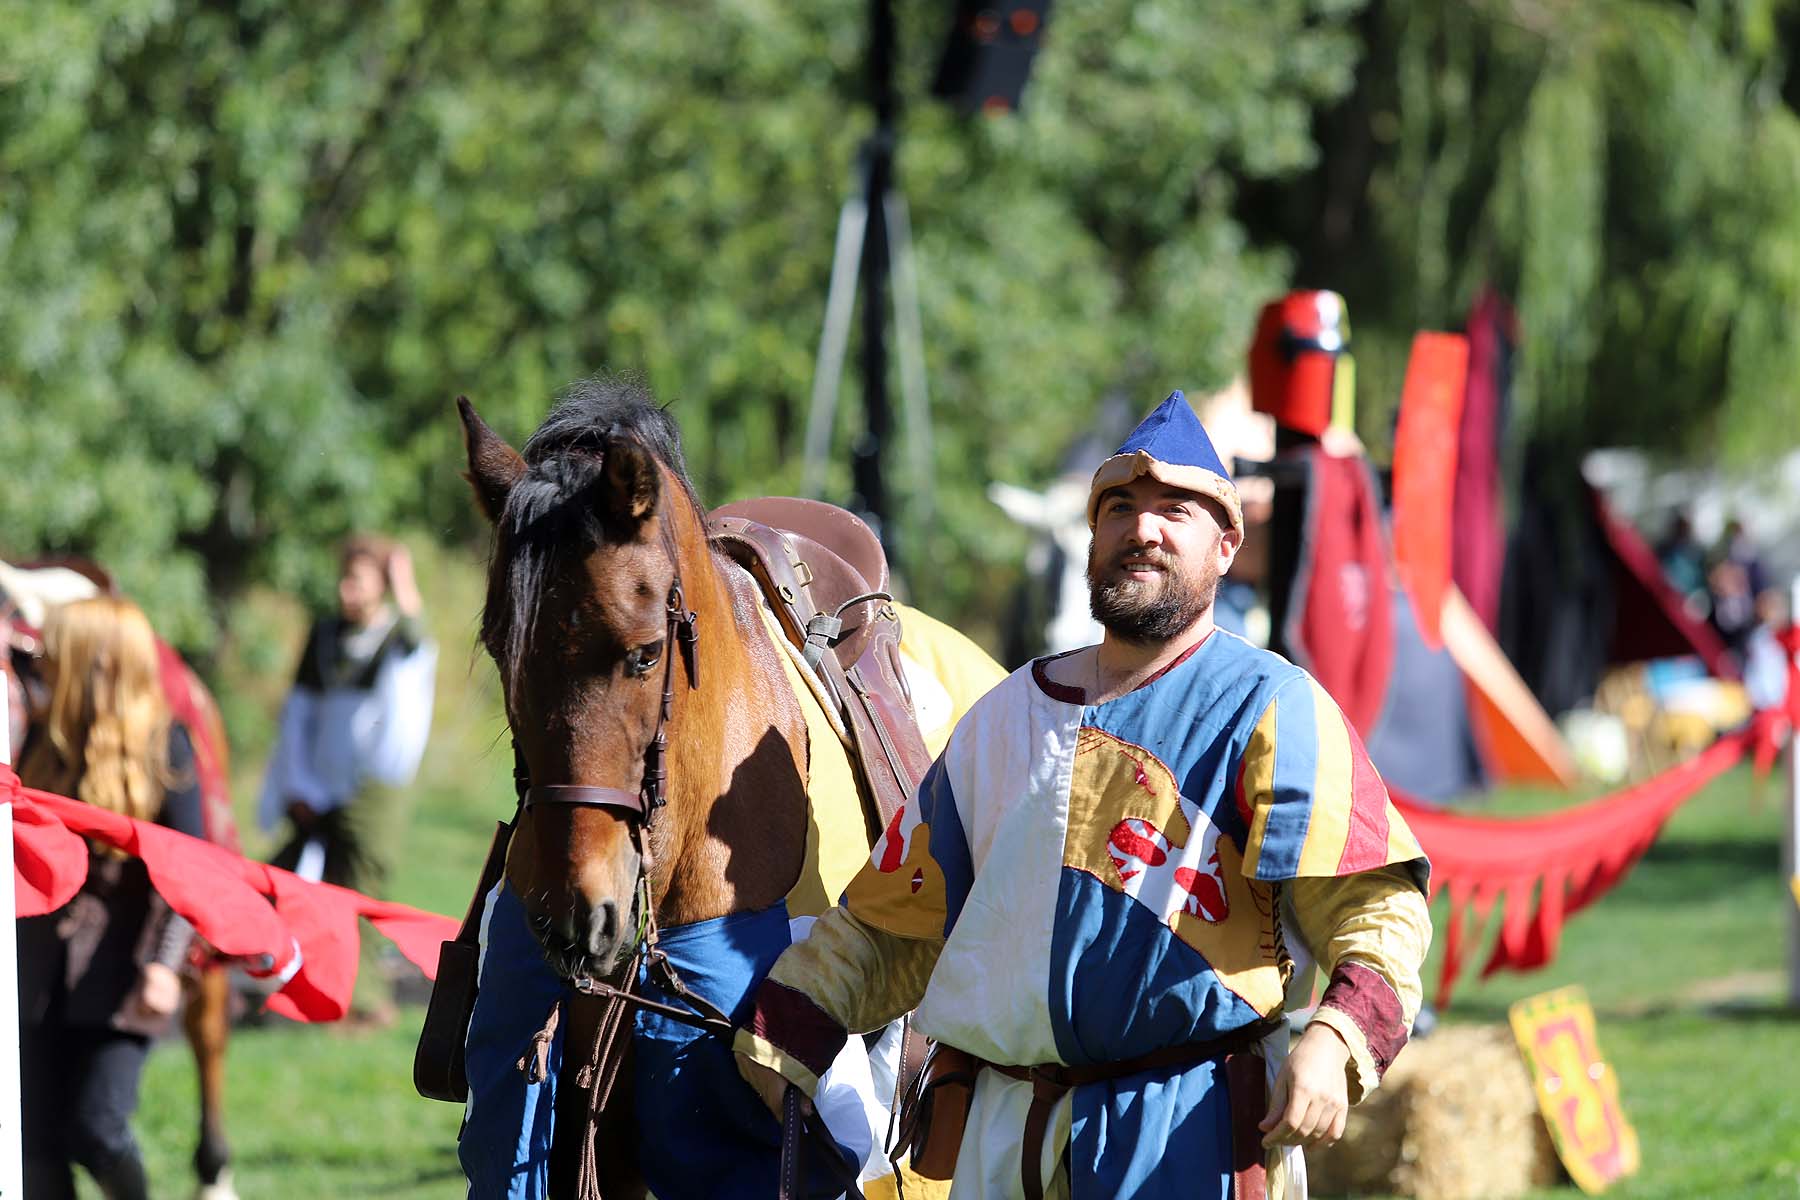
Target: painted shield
x=1577 y=1092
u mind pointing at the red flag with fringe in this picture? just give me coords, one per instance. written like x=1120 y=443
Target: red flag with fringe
x=1539 y=871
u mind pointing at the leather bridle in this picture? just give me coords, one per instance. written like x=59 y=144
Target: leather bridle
x=800 y=1123
x=681 y=634
x=640 y=807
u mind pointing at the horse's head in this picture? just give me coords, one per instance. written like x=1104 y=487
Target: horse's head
x=592 y=525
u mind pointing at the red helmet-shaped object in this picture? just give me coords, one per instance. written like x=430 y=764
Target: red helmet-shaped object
x=1301 y=372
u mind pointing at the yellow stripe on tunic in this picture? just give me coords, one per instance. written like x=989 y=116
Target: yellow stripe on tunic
x=1258 y=779
x=1328 y=828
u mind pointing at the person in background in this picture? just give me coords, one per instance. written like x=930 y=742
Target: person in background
x=1736 y=545
x=1765 y=661
x=1733 y=605
x=98 y=978
x=1683 y=562
x=352 y=733
x=1734 y=581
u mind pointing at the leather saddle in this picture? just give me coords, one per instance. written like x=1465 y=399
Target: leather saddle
x=825 y=576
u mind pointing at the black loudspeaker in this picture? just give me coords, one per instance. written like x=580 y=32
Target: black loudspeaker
x=988 y=57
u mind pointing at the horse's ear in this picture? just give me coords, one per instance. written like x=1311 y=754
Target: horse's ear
x=631 y=480
x=494 y=466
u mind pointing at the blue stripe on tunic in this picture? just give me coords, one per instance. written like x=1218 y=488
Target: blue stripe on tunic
x=1160 y=1135
x=1296 y=773
x=949 y=843
x=1122 y=985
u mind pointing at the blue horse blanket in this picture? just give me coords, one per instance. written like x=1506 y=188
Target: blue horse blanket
x=702 y=1131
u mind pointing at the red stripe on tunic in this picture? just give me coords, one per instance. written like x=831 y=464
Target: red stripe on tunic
x=1366 y=840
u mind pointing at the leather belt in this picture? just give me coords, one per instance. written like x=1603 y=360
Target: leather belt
x=1050 y=1081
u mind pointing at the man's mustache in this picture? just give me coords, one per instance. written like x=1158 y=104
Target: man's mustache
x=1140 y=559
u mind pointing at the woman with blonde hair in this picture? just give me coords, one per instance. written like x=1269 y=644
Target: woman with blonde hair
x=98 y=978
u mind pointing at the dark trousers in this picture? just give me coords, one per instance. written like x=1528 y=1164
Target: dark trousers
x=361 y=840
x=80 y=1088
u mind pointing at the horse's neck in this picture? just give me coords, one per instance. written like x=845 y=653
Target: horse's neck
x=737 y=748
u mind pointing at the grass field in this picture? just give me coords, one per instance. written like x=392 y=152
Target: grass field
x=1683 y=963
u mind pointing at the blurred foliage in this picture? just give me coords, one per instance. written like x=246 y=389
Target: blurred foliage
x=1627 y=171
x=252 y=250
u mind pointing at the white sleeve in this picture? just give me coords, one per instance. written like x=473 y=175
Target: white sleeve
x=290 y=775
x=404 y=689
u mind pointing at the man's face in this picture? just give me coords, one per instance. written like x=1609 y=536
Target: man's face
x=1156 y=559
x=361 y=589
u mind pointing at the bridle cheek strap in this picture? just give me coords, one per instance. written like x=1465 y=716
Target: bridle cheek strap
x=639 y=806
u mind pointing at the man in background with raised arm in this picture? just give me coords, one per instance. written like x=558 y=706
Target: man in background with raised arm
x=352 y=733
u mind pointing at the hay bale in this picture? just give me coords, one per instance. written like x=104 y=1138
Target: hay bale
x=1454 y=1120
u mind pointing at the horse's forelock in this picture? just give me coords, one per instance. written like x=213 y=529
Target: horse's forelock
x=541 y=521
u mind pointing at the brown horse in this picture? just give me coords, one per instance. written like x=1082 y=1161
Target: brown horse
x=206 y=988
x=599 y=542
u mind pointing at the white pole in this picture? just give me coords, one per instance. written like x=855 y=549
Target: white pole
x=1790 y=864
x=828 y=368
x=12 y=1171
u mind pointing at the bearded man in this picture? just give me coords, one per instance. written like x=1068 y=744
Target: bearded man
x=1114 y=883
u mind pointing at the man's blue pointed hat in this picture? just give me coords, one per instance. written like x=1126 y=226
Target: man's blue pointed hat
x=1170 y=446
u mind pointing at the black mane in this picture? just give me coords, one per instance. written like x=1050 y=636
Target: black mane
x=552 y=512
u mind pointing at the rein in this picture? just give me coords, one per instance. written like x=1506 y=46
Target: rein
x=799 y=1120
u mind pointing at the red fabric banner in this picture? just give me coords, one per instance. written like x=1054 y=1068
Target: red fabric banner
x=1340 y=624
x=1539 y=871
x=272 y=920
x=1425 y=446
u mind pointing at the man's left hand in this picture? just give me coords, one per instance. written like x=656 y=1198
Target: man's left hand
x=1311 y=1099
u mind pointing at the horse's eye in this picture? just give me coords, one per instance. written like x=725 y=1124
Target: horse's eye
x=641 y=659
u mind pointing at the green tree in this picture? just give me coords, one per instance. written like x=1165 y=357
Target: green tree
x=252 y=250
x=1625 y=170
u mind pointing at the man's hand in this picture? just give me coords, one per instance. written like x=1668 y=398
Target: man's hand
x=766 y=1082
x=1310 y=1100
x=158 y=991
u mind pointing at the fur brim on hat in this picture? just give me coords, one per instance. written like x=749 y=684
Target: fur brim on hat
x=1123 y=468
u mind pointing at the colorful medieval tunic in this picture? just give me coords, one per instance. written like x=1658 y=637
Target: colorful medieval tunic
x=1087 y=884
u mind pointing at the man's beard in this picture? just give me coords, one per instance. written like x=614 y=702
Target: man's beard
x=1154 y=610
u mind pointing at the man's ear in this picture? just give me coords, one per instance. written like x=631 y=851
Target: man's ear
x=631 y=484
x=494 y=466
x=1231 y=540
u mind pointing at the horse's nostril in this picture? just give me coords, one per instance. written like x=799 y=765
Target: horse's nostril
x=563 y=927
x=603 y=929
